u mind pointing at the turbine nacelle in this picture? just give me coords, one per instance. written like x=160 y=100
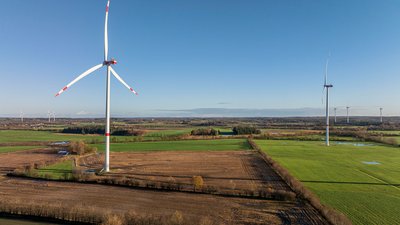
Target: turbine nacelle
x=110 y=62
x=328 y=85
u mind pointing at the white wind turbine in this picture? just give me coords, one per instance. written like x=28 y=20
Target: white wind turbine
x=108 y=64
x=335 y=109
x=327 y=86
x=21 y=115
x=381 y=114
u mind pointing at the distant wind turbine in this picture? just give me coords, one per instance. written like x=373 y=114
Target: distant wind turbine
x=326 y=87
x=49 y=115
x=108 y=64
x=335 y=109
x=347 y=111
x=381 y=114
x=21 y=115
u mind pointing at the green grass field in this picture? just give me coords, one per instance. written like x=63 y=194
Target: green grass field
x=367 y=194
x=8 y=136
x=188 y=145
x=58 y=170
x=163 y=133
x=6 y=149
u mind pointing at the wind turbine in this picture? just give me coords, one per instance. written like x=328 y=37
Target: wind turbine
x=49 y=115
x=335 y=109
x=108 y=64
x=21 y=115
x=347 y=111
x=327 y=86
x=54 y=116
x=381 y=113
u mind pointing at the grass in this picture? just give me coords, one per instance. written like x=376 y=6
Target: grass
x=58 y=170
x=367 y=194
x=9 y=136
x=5 y=149
x=188 y=145
x=163 y=133
x=389 y=132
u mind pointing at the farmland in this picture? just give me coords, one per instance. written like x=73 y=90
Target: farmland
x=160 y=164
x=228 y=166
x=368 y=194
x=5 y=149
x=185 y=145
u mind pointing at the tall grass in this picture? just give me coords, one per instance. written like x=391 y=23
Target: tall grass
x=85 y=214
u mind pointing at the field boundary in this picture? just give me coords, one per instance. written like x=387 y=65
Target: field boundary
x=159 y=186
x=331 y=215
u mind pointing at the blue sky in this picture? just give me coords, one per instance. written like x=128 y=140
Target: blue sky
x=186 y=55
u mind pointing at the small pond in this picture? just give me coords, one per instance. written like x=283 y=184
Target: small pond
x=353 y=143
x=371 y=163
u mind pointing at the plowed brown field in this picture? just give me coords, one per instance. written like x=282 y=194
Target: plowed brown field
x=223 y=169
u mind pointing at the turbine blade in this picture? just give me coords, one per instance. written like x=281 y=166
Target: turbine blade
x=87 y=72
x=122 y=81
x=326 y=72
x=106 y=32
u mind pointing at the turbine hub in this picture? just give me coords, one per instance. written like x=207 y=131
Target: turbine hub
x=110 y=62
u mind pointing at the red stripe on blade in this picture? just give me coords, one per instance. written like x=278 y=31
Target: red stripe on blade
x=65 y=88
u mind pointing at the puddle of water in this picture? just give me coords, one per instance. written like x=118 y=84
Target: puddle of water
x=371 y=163
x=354 y=144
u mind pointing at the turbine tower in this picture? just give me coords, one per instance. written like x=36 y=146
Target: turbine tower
x=107 y=62
x=347 y=110
x=327 y=86
x=21 y=115
x=54 y=116
x=49 y=115
x=381 y=114
x=335 y=109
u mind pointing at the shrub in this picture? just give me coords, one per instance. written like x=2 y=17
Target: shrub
x=84 y=130
x=243 y=130
x=205 y=132
x=128 y=132
x=198 y=182
x=177 y=218
x=112 y=219
x=80 y=148
x=206 y=221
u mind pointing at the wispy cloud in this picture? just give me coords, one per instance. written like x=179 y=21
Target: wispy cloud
x=82 y=113
x=239 y=112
